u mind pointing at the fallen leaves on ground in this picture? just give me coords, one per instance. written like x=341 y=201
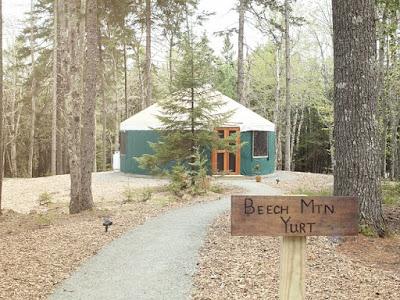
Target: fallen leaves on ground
x=248 y=268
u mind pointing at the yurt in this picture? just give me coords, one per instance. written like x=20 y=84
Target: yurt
x=255 y=157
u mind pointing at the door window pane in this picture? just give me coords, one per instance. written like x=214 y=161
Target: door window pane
x=220 y=161
x=232 y=162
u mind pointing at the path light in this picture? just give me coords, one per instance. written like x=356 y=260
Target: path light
x=106 y=223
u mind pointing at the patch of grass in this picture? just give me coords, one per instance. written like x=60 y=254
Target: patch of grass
x=302 y=191
x=145 y=194
x=163 y=199
x=215 y=188
x=366 y=230
x=45 y=199
x=139 y=195
x=129 y=195
x=43 y=219
x=391 y=192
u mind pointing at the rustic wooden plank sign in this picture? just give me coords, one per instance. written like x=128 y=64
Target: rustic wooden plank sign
x=294 y=215
x=294 y=218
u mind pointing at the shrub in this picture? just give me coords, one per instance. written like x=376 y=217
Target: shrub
x=128 y=194
x=179 y=176
x=45 y=199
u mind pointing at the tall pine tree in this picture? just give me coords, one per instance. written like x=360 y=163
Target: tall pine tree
x=190 y=114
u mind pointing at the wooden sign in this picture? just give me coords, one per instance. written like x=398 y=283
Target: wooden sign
x=294 y=215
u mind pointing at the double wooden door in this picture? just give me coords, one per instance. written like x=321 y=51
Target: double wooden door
x=222 y=161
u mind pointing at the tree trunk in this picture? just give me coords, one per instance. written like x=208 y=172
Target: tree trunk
x=240 y=75
x=1 y=107
x=117 y=111
x=293 y=135
x=298 y=134
x=88 y=131
x=125 y=83
x=73 y=105
x=33 y=99
x=140 y=77
x=103 y=107
x=277 y=115
x=393 y=143
x=14 y=114
x=62 y=160
x=56 y=80
x=357 y=171
x=381 y=98
x=170 y=49
x=147 y=68
x=288 y=159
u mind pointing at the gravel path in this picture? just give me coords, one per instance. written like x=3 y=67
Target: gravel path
x=153 y=261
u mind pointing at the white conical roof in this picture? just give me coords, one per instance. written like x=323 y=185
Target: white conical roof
x=242 y=117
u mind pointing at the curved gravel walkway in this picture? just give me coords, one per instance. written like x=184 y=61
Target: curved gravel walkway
x=155 y=260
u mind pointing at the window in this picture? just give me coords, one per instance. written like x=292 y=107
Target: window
x=122 y=142
x=260 y=144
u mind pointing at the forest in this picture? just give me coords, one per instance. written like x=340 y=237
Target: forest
x=317 y=85
x=132 y=78
x=77 y=69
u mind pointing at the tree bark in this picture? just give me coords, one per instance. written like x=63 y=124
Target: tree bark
x=33 y=98
x=103 y=107
x=88 y=131
x=73 y=105
x=293 y=135
x=277 y=114
x=117 y=110
x=240 y=67
x=62 y=147
x=357 y=171
x=147 y=68
x=1 y=107
x=125 y=83
x=393 y=143
x=56 y=81
x=14 y=113
x=288 y=159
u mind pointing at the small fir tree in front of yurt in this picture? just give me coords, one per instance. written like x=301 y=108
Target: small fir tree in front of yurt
x=189 y=116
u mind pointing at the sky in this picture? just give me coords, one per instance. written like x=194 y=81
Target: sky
x=225 y=17
x=13 y=13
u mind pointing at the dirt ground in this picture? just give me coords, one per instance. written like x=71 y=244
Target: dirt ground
x=40 y=249
x=22 y=194
x=248 y=268
x=355 y=268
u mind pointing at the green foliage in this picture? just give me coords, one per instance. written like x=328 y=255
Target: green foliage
x=146 y=194
x=188 y=117
x=215 y=188
x=391 y=193
x=179 y=177
x=191 y=178
x=45 y=199
x=367 y=230
x=129 y=195
x=43 y=219
x=136 y=195
x=307 y=192
x=225 y=75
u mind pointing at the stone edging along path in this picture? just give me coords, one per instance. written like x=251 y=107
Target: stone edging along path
x=155 y=260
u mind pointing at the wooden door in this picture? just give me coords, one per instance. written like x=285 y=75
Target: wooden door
x=222 y=161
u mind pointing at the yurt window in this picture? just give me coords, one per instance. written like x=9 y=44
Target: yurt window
x=260 y=144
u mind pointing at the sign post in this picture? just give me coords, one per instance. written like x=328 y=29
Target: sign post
x=294 y=218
